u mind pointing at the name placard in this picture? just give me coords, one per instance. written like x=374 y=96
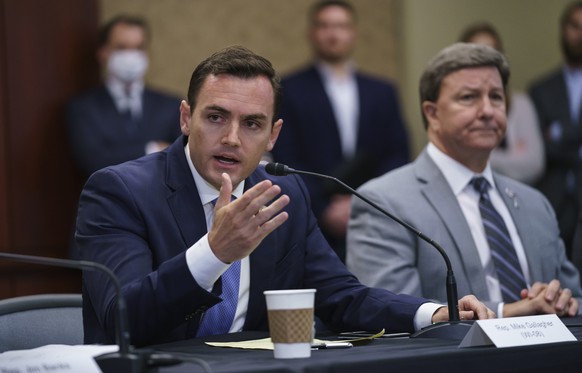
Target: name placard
x=517 y=331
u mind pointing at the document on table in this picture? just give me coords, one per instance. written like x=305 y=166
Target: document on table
x=55 y=358
x=267 y=344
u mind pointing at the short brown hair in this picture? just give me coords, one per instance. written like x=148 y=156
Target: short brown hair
x=568 y=11
x=319 y=6
x=236 y=61
x=481 y=28
x=105 y=30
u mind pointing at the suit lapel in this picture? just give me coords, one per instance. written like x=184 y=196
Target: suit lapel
x=184 y=200
x=328 y=121
x=364 y=102
x=560 y=94
x=441 y=197
x=520 y=216
x=107 y=113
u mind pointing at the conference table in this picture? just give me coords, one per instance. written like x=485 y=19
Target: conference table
x=380 y=355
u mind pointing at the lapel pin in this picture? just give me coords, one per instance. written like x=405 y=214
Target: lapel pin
x=511 y=195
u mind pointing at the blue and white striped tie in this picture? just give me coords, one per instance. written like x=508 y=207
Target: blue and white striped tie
x=507 y=267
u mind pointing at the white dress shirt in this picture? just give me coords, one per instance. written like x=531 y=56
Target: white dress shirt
x=573 y=79
x=345 y=102
x=458 y=177
x=126 y=97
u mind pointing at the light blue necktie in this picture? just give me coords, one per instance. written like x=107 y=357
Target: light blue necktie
x=218 y=319
x=507 y=267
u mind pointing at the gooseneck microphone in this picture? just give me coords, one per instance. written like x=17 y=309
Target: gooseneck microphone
x=124 y=360
x=454 y=328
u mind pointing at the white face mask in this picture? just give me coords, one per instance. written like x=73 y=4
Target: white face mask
x=127 y=65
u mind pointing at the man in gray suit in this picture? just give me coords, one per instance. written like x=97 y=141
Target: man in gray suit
x=502 y=240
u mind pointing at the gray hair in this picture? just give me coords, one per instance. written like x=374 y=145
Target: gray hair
x=457 y=57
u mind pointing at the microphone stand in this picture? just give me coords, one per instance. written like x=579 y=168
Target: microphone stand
x=124 y=360
x=452 y=329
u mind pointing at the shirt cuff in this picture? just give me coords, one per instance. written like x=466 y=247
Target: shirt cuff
x=205 y=267
x=500 y=310
x=423 y=316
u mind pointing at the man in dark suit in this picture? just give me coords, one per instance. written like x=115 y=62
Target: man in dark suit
x=121 y=119
x=166 y=225
x=558 y=101
x=339 y=121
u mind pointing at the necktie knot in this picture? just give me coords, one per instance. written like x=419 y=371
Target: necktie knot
x=481 y=185
x=232 y=198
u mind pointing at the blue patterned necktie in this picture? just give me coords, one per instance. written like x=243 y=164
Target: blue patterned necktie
x=218 y=319
x=507 y=267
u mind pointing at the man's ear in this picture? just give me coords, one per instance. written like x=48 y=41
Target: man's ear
x=429 y=109
x=102 y=54
x=274 y=134
x=185 y=117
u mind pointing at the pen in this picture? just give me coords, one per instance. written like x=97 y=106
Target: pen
x=331 y=345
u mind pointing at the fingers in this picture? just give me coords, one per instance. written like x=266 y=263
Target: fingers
x=471 y=304
x=536 y=289
x=544 y=298
x=240 y=226
x=553 y=291
x=573 y=307
x=466 y=315
x=471 y=315
x=563 y=303
x=225 y=192
x=264 y=217
x=255 y=199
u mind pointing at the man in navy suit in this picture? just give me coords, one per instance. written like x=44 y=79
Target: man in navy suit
x=121 y=119
x=339 y=121
x=558 y=101
x=173 y=224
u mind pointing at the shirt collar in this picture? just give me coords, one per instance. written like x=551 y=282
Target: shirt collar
x=456 y=174
x=207 y=192
x=572 y=72
x=327 y=74
x=119 y=91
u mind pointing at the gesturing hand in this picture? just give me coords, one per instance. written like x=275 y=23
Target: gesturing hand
x=240 y=226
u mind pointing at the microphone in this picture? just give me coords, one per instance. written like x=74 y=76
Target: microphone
x=452 y=329
x=124 y=360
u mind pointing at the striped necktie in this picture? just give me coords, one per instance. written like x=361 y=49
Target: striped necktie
x=507 y=267
x=218 y=319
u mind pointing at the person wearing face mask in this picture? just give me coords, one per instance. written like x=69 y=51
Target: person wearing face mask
x=122 y=119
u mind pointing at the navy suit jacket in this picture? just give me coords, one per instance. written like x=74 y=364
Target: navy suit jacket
x=310 y=138
x=563 y=144
x=550 y=97
x=138 y=218
x=99 y=135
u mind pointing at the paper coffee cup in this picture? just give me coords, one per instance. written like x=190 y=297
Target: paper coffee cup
x=291 y=322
